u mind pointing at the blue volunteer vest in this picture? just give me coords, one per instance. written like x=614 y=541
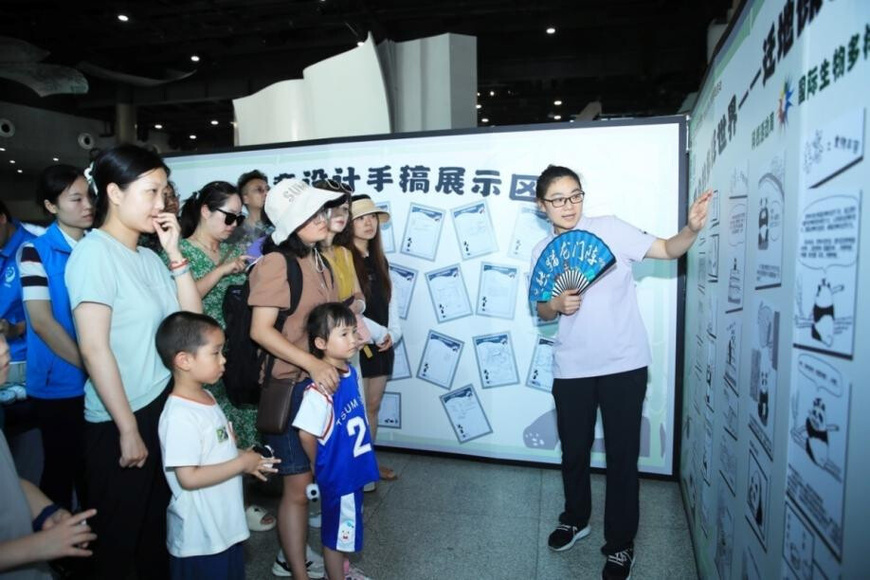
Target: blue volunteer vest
x=48 y=375
x=346 y=460
x=11 y=307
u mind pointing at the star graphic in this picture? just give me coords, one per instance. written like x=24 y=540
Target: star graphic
x=785 y=103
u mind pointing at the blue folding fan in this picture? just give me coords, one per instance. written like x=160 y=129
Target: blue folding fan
x=571 y=262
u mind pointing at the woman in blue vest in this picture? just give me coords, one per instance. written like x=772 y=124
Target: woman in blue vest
x=55 y=375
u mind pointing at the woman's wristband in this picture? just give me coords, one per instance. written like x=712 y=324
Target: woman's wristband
x=179 y=272
x=46 y=513
x=175 y=265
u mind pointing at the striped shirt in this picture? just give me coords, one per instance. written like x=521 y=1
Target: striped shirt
x=34 y=281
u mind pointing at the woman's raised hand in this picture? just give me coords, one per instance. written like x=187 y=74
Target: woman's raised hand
x=168 y=232
x=698 y=211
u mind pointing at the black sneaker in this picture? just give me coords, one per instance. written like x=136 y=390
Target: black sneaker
x=618 y=566
x=564 y=536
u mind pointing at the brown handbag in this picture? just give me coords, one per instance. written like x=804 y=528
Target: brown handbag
x=273 y=410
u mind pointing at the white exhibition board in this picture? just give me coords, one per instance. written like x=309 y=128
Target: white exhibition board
x=773 y=457
x=472 y=374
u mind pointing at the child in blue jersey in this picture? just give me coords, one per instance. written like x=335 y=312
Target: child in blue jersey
x=335 y=435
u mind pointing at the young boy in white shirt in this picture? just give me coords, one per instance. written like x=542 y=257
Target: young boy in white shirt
x=206 y=516
x=335 y=435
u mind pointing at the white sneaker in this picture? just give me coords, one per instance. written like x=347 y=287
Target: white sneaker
x=313 y=562
x=369 y=487
x=354 y=573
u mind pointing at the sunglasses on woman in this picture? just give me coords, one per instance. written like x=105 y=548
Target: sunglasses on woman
x=230 y=217
x=331 y=185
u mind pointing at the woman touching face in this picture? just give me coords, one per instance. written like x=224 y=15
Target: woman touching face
x=141 y=202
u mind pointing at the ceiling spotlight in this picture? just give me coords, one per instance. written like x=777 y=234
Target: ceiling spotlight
x=478 y=105
x=214 y=121
x=193 y=137
x=194 y=58
x=491 y=93
x=12 y=161
x=20 y=171
x=571 y=121
x=360 y=43
x=3 y=149
x=123 y=17
x=557 y=117
x=484 y=120
x=55 y=159
x=478 y=93
x=551 y=30
x=557 y=103
x=158 y=126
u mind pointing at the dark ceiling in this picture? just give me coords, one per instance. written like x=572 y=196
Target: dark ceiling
x=638 y=57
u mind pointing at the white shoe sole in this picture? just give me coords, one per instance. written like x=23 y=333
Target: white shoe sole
x=282 y=572
x=578 y=536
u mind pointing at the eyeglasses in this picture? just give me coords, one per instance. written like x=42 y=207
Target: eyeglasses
x=332 y=185
x=230 y=217
x=339 y=212
x=560 y=201
x=321 y=216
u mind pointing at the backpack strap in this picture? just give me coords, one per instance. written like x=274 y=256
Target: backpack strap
x=294 y=280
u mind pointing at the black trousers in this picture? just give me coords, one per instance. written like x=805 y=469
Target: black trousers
x=620 y=397
x=131 y=502
x=61 y=423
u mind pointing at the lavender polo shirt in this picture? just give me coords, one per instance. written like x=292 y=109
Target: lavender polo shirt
x=606 y=336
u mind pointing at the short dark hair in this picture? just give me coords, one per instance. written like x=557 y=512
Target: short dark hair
x=53 y=180
x=246 y=178
x=323 y=319
x=4 y=211
x=551 y=174
x=121 y=165
x=182 y=331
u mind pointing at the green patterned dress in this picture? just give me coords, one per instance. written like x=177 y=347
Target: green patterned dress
x=243 y=419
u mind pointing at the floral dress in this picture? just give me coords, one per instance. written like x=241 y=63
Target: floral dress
x=244 y=418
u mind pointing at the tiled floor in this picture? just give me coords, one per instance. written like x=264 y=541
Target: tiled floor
x=462 y=519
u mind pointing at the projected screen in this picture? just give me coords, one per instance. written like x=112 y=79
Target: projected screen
x=473 y=372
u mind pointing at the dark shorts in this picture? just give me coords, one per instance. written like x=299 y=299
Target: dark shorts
x=287 y=446
x=226 y=565
x=379 y=365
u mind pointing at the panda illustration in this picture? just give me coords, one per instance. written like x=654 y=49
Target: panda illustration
x=823 y=313
x=755 y=499
x=763 y=225
x=764 y=396
x=817 y=442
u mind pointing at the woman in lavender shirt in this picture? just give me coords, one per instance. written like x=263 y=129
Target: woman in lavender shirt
x=600 y=360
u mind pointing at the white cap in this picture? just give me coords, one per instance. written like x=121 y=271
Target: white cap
x=291 y=202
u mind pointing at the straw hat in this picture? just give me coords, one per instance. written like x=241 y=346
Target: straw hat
x=363 y=205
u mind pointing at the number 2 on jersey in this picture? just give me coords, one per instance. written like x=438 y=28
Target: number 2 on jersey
x=357 y=426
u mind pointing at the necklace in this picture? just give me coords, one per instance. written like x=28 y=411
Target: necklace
x=213 y=253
